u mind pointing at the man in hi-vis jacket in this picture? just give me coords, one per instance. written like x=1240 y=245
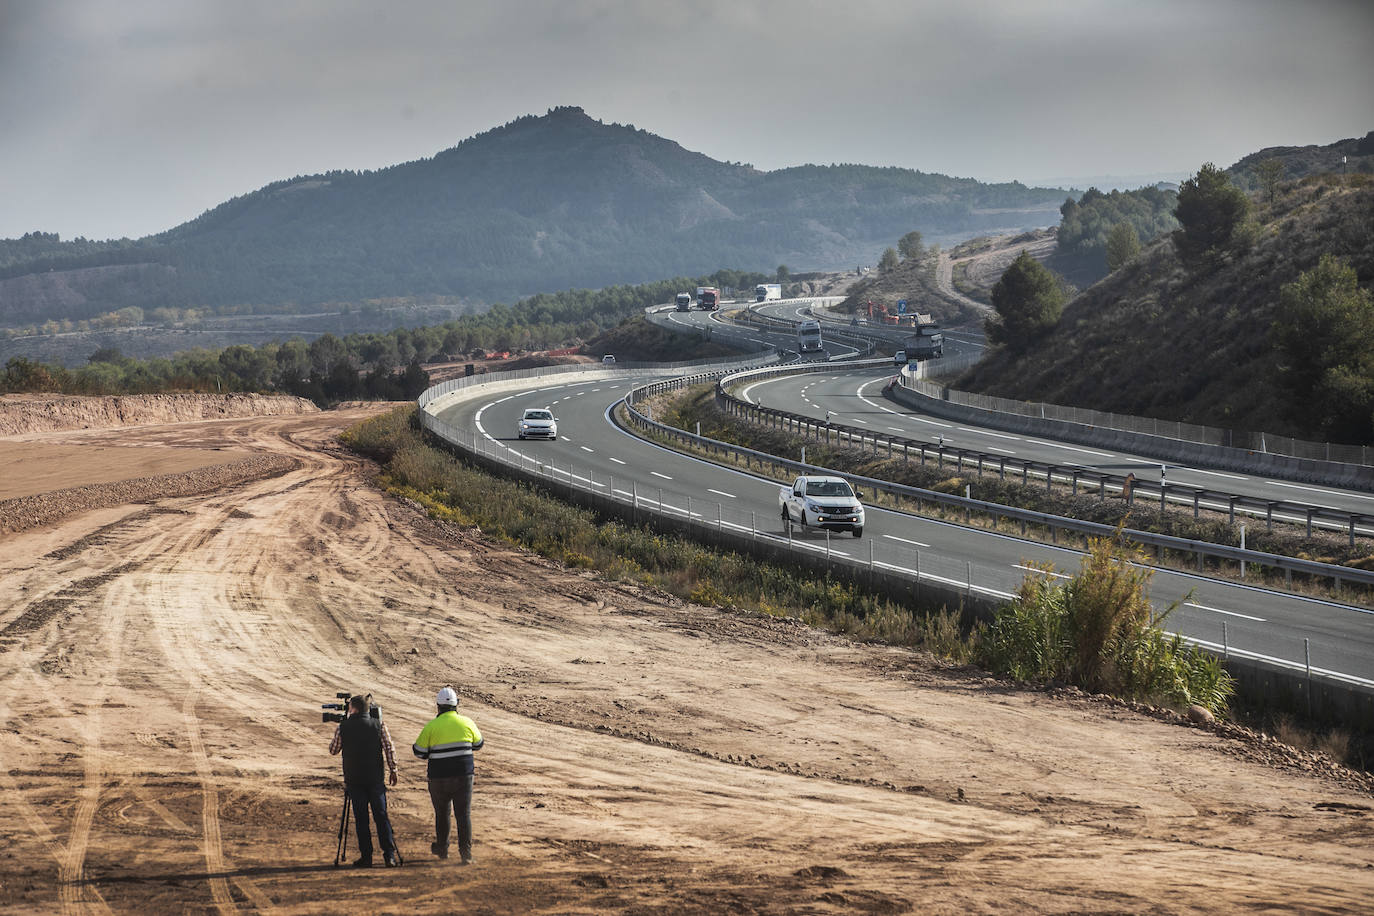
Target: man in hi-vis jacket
x=448 y=742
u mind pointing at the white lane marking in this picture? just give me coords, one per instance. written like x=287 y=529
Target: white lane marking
x=931 y=422
x=895 y=429
x=720 y=493
x=1213 y=473
x=1032 y=569
x=565 y=438
x=857 y=420
x=1004 y=451
x=505 y=399
x=1293 y=486
x=657 y=474
x=984 y=432
x=617 y=461
x=1071 y=448
x=893 y=537
x=1203 y=607
x=585 y=449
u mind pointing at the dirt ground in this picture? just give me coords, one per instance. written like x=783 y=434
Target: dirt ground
x=162 y=665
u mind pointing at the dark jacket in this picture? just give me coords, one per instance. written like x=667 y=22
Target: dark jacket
x=362 y=750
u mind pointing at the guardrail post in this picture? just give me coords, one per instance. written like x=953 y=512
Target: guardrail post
x=1225 y=643
x=1163 y=494
x=1197 y=496
x=1352 y=529
x=916 y=586
x=753 y=525
x=1199 y=560
x=1074 y=490
x=1307 y=661
x=1025 y=472
x=1102 y=488
x=1049 y=477
x=1309 y=519
x=968 y=581
x=1001 y=469
x=718 y=517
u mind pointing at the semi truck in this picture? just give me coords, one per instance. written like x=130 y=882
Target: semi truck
x=928 y=342
x=683 y=301
x=809 y=337
x=766 y=291
x=708 y=297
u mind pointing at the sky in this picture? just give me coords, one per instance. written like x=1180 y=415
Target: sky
x=121 y=118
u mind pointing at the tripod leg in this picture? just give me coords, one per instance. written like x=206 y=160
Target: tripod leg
x=341 y=852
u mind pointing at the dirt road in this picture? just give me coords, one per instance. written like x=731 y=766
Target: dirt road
x=161 y=667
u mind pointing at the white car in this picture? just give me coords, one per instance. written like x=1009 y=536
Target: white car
x=538 y=423
x=608 y=358
x=822 y=502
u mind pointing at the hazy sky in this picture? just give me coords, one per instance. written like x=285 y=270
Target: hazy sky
x=127 y=117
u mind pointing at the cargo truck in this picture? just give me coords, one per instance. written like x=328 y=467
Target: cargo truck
x=809 y=337
x=766 y=291
x=928 y=342
x=708 y=297
x=684 y=301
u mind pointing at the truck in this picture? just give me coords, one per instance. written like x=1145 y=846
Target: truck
x=928 y=342
x=766 y=291
x=708 y=297
x=683 y=302
x=829 y=503
x=809 y=337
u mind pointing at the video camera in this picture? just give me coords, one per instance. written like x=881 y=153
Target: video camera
x=373 y=709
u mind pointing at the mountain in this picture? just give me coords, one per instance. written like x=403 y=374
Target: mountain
x=1159 y=339
x=541 y=203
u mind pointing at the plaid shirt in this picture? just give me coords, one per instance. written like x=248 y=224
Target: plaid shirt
x=336 y=745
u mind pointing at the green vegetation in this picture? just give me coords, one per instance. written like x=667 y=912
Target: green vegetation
x=1325 y=333
x=1098 y=631
x=1088 y=223
x=910 y=247
x=1210 y=213
x=1122 y=245
x=888 y=262
x=1028 y=300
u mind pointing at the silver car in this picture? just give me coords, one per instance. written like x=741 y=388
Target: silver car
x=538 y=423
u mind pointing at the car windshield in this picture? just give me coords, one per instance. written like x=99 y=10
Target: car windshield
x=828 y=488
x=538 y=415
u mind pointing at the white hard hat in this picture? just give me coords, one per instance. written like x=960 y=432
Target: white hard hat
x=447 y=697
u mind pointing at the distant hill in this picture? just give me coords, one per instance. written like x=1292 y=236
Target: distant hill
x=541 y=203
x=1154 y=339
x=1302 y=161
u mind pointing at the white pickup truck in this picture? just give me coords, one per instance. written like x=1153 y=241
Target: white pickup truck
x=822 y=502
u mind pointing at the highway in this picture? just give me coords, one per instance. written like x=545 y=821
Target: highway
x=855 y=398
x=595 y=453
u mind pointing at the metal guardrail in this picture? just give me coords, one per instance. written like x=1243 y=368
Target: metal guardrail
x=895 y=446
x=979 y=462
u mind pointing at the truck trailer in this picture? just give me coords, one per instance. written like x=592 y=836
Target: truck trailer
x=766 y=291
x=708 y=297
x=928 y=342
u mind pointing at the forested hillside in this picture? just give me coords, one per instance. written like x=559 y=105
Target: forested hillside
x=1256 y=314
x=542 y=203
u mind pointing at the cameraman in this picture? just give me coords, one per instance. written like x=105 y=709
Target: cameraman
x=363 y=741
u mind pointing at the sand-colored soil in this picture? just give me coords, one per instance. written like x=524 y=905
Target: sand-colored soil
x=161 y=667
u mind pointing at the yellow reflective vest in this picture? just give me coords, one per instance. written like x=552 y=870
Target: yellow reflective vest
x=447 y=742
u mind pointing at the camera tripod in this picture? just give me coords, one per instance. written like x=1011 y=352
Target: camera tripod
x=341 y=852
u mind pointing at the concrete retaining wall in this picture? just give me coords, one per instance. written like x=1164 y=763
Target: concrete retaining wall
x=1351 y=476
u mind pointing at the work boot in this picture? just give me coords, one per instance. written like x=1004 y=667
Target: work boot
x=393 y=859
x=364 y=862
x=440 y=851
x=467 y=858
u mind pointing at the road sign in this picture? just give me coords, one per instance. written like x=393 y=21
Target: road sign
x=901 y=306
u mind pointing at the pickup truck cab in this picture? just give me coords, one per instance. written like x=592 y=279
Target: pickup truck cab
x=822 y=502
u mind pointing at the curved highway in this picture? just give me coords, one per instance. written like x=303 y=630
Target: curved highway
x=855 y=398
x=596 y=453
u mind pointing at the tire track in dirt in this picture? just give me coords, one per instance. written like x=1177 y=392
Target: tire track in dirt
x=211 y=846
